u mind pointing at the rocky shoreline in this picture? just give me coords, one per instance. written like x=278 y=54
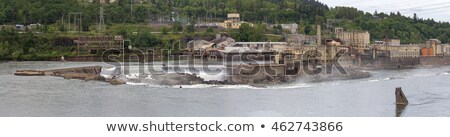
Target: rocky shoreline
x=93 y=73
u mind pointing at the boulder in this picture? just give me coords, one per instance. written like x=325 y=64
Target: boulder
x=177 y=79
x=117 y=82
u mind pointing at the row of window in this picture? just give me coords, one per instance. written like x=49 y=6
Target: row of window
x=405 y=54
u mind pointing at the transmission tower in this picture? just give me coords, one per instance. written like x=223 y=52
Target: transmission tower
x=101 y=23
x=77 y=21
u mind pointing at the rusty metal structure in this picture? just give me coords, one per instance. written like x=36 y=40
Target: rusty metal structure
x=98 y=44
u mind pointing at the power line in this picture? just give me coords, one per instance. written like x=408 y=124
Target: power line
x=398 y=3
x=434 y=12
x=392 y=4
x=429 y=9
x=431 y=5
x=374 y=2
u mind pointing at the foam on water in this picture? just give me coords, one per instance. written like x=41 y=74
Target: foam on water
x=195 y=86
x=426 y=89
x=109 y=72
x=374 y=80
x=132 y=76
x=377 y=76
x=137 y=84
x=443 y=73
x=291 y=86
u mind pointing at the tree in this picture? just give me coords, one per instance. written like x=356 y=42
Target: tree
x=146 y=39
x=209 y=30
x=122 y=32
x=309 y=30
x=190 y=28
x=2 y=17
x=121 y=2
x=415 y=18
x=85 y=25
x=140 y=13
x=319 y=20
x=177 y=27
x=61 y=27
x=16 y=54
x=4 y=50
x=443 y=38
x=278 y=29
x=164 y=30
x=246 y=33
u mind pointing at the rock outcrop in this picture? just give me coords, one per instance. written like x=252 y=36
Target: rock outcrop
x=351 y=74
x=81 y=73
x=177 y=79
x=260 y=80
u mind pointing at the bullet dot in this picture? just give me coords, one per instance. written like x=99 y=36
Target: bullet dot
x=262 y=126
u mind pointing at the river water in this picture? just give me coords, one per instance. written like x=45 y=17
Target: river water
x=427 y=88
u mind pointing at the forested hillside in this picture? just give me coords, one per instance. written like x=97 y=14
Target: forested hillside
x=304 y=12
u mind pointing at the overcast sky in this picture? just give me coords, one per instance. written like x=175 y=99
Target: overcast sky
x=439 y=10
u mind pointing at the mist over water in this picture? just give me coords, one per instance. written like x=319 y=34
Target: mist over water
x=427 y=89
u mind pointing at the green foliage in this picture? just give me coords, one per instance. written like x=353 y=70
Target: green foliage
x=4 y=50
x=122 y=32
x=210 y=30
x=85 y=25
x=122 y=20
x=444 y=38
x=177 y=27
x=140 y=13
x=16 y=54
x=277 y=29
x=2 y=17
x=50 y=11
x=164 y=30
x=246 y=33
x=346 y=13
x=394 y=25
x=146 y=39
x=190 y=28
x=36 y=11
x=309 y=30
x=29 y=46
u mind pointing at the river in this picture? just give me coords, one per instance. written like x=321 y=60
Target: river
x=427 y=88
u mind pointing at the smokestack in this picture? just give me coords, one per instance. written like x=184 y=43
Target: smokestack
x=319 y=36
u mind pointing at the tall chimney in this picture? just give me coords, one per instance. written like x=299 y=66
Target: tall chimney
x=319 y=36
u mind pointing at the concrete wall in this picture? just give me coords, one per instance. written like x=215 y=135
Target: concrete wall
x=435 y=60
x=391 y=63
x=356 y=38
